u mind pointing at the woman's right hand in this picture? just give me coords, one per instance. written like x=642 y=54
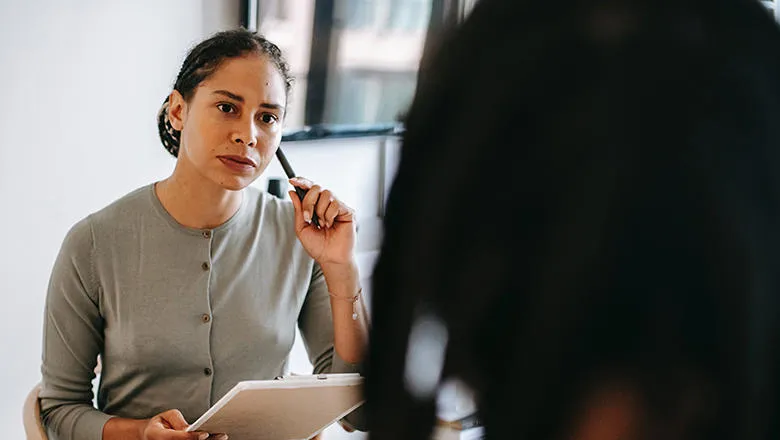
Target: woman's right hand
x=170 y=425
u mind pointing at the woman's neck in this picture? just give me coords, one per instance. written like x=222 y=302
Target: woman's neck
x=195 y=201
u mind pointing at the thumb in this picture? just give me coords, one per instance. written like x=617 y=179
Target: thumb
x=175 y=419
x=300 y=223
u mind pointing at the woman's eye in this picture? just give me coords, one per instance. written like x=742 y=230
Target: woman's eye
x=226 y=108
x=268 y=118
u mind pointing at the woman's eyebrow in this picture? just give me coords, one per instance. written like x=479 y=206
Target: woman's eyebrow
x=230 y=95
x=272 y=106
x=240 y=98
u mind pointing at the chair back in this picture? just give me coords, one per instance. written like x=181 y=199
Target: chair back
x=31 y=416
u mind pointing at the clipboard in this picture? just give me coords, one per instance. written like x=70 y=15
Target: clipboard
x=294 y=407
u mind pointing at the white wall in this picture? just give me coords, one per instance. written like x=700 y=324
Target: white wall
x=81 y=82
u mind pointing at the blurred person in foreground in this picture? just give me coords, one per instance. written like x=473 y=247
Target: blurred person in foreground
x=586 y=224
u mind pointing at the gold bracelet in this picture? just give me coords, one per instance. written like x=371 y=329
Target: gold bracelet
x=353 y=300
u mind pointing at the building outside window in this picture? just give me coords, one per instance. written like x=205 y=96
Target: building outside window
x=373 y=52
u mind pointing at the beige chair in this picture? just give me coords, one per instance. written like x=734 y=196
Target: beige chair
x=31 y=416
x=31 y=411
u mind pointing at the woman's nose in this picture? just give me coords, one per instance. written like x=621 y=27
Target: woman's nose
x=245 y=135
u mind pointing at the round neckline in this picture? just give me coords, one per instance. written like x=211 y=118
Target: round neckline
x=192 y=231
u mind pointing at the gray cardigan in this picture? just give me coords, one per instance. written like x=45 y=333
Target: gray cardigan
x=178 y=315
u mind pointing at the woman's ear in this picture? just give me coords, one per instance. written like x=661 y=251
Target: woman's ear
x=177 y=110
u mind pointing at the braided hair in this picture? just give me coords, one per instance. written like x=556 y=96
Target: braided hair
x=203 y=60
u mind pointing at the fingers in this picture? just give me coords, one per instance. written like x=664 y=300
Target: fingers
x=310 y=201
x=174 y=419
x=346 y=427
x=319 y=202
x=329 y=216
x=301 y=182
x=323 y=203
x=181 y=435
x=300 y=223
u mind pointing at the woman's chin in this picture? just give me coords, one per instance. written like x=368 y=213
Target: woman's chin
x=235 y=183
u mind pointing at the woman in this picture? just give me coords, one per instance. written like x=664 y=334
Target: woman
x=191 y=284
x=614 y=273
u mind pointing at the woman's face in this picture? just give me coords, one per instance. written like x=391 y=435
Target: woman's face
x=232 y=126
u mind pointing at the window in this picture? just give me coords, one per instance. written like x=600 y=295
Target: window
x=357 y=14
x=288 y=23
x=354 y=61
x=274 y=9
x=376 y=50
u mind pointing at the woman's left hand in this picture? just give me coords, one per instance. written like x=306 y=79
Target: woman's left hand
x=333 y=243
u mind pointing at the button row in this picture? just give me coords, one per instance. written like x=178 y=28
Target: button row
x=206 y=317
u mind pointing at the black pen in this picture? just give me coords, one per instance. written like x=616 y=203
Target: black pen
x=291 y=174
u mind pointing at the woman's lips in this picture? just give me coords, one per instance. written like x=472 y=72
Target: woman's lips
x=238 y=163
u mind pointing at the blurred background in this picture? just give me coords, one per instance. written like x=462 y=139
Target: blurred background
x=360 y=65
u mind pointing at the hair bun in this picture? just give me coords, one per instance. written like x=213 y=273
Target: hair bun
x=168 y=135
